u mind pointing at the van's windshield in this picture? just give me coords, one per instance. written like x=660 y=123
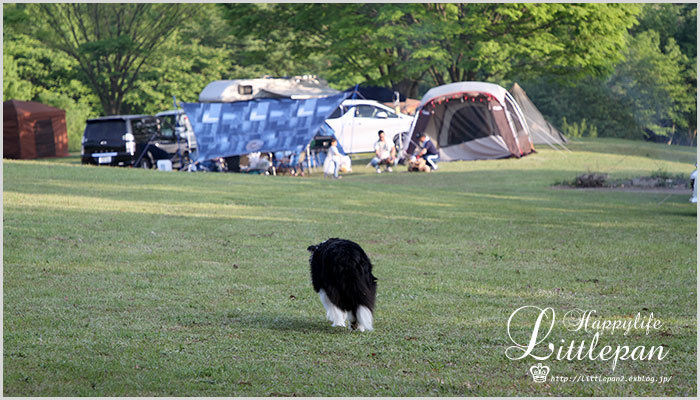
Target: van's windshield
x=103 y=130
x=167 y=126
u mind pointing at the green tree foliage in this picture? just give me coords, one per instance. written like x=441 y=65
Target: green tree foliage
x=494 y=42
x=651 y=81
x=188 y=60
x=13 y=86
x=608 y=69
x=676 y=25
x=273 y=49
x=199 y=52
x=110 y=42
x=671 y=21
x=400 y=45
x=32 y=72
x=589 y=99
x=650 y=94
x=180 y=70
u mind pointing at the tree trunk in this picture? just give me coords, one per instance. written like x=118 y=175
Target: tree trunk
x=408 y=88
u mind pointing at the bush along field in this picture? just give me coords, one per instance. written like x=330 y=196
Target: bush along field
x=125 y=282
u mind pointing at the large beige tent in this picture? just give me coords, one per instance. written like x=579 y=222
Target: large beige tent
x=471 y=121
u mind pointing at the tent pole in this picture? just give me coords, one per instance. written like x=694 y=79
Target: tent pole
x=308 y=158
x=549 y=143
x=354 y=110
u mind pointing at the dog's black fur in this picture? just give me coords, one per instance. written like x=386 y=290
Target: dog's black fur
x=342 y=269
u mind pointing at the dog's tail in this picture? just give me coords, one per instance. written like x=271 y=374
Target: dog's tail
x=364 y=317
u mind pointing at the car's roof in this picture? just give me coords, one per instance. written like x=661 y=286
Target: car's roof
x=122 y=117
x=351 y=102
x=170 y=112
x=357 y=102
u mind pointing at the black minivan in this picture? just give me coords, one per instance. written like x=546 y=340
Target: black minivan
x=126 y=140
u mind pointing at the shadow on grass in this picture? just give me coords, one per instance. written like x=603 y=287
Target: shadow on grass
x=282 y=322
x=679 y=213
x=636 y=148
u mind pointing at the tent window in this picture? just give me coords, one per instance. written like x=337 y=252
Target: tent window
x=514 y=116
x=245 y=89
x=472 y=121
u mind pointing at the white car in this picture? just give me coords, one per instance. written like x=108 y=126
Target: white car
x=357 y=122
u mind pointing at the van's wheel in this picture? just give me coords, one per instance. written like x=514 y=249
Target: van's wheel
x=145 y=163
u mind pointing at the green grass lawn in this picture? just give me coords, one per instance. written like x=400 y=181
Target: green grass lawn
x=125 y=282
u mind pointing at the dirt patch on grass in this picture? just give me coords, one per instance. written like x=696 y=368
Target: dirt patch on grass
x=669 y=190
x=658 y=182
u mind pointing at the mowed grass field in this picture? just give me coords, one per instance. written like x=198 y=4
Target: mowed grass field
x=125 y=282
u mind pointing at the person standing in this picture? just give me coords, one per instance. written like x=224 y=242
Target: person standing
x=335 y=158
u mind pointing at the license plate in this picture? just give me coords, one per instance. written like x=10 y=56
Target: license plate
x=104 y=160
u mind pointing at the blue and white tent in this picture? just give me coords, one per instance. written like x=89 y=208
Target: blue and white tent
x=262 y=125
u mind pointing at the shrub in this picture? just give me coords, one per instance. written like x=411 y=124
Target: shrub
x=579 y=129
x=591 y=179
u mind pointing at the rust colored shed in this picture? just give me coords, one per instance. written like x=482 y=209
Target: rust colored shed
x=33 y=130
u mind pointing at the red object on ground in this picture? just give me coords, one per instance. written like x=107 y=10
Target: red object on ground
x=33 y=130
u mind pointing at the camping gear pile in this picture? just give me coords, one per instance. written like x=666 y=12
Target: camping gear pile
x=418 y=165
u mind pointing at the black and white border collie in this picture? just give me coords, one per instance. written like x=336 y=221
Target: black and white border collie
x=341 y=274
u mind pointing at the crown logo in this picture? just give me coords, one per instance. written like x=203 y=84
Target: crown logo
x=539 y=372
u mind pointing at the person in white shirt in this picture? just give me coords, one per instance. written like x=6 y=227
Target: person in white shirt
x=335 y=158
x=384 y=153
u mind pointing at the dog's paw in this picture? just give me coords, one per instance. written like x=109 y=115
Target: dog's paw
x=336 y=323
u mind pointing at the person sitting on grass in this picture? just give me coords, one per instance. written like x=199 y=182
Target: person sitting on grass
x=428 y=151
x=384 y=153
